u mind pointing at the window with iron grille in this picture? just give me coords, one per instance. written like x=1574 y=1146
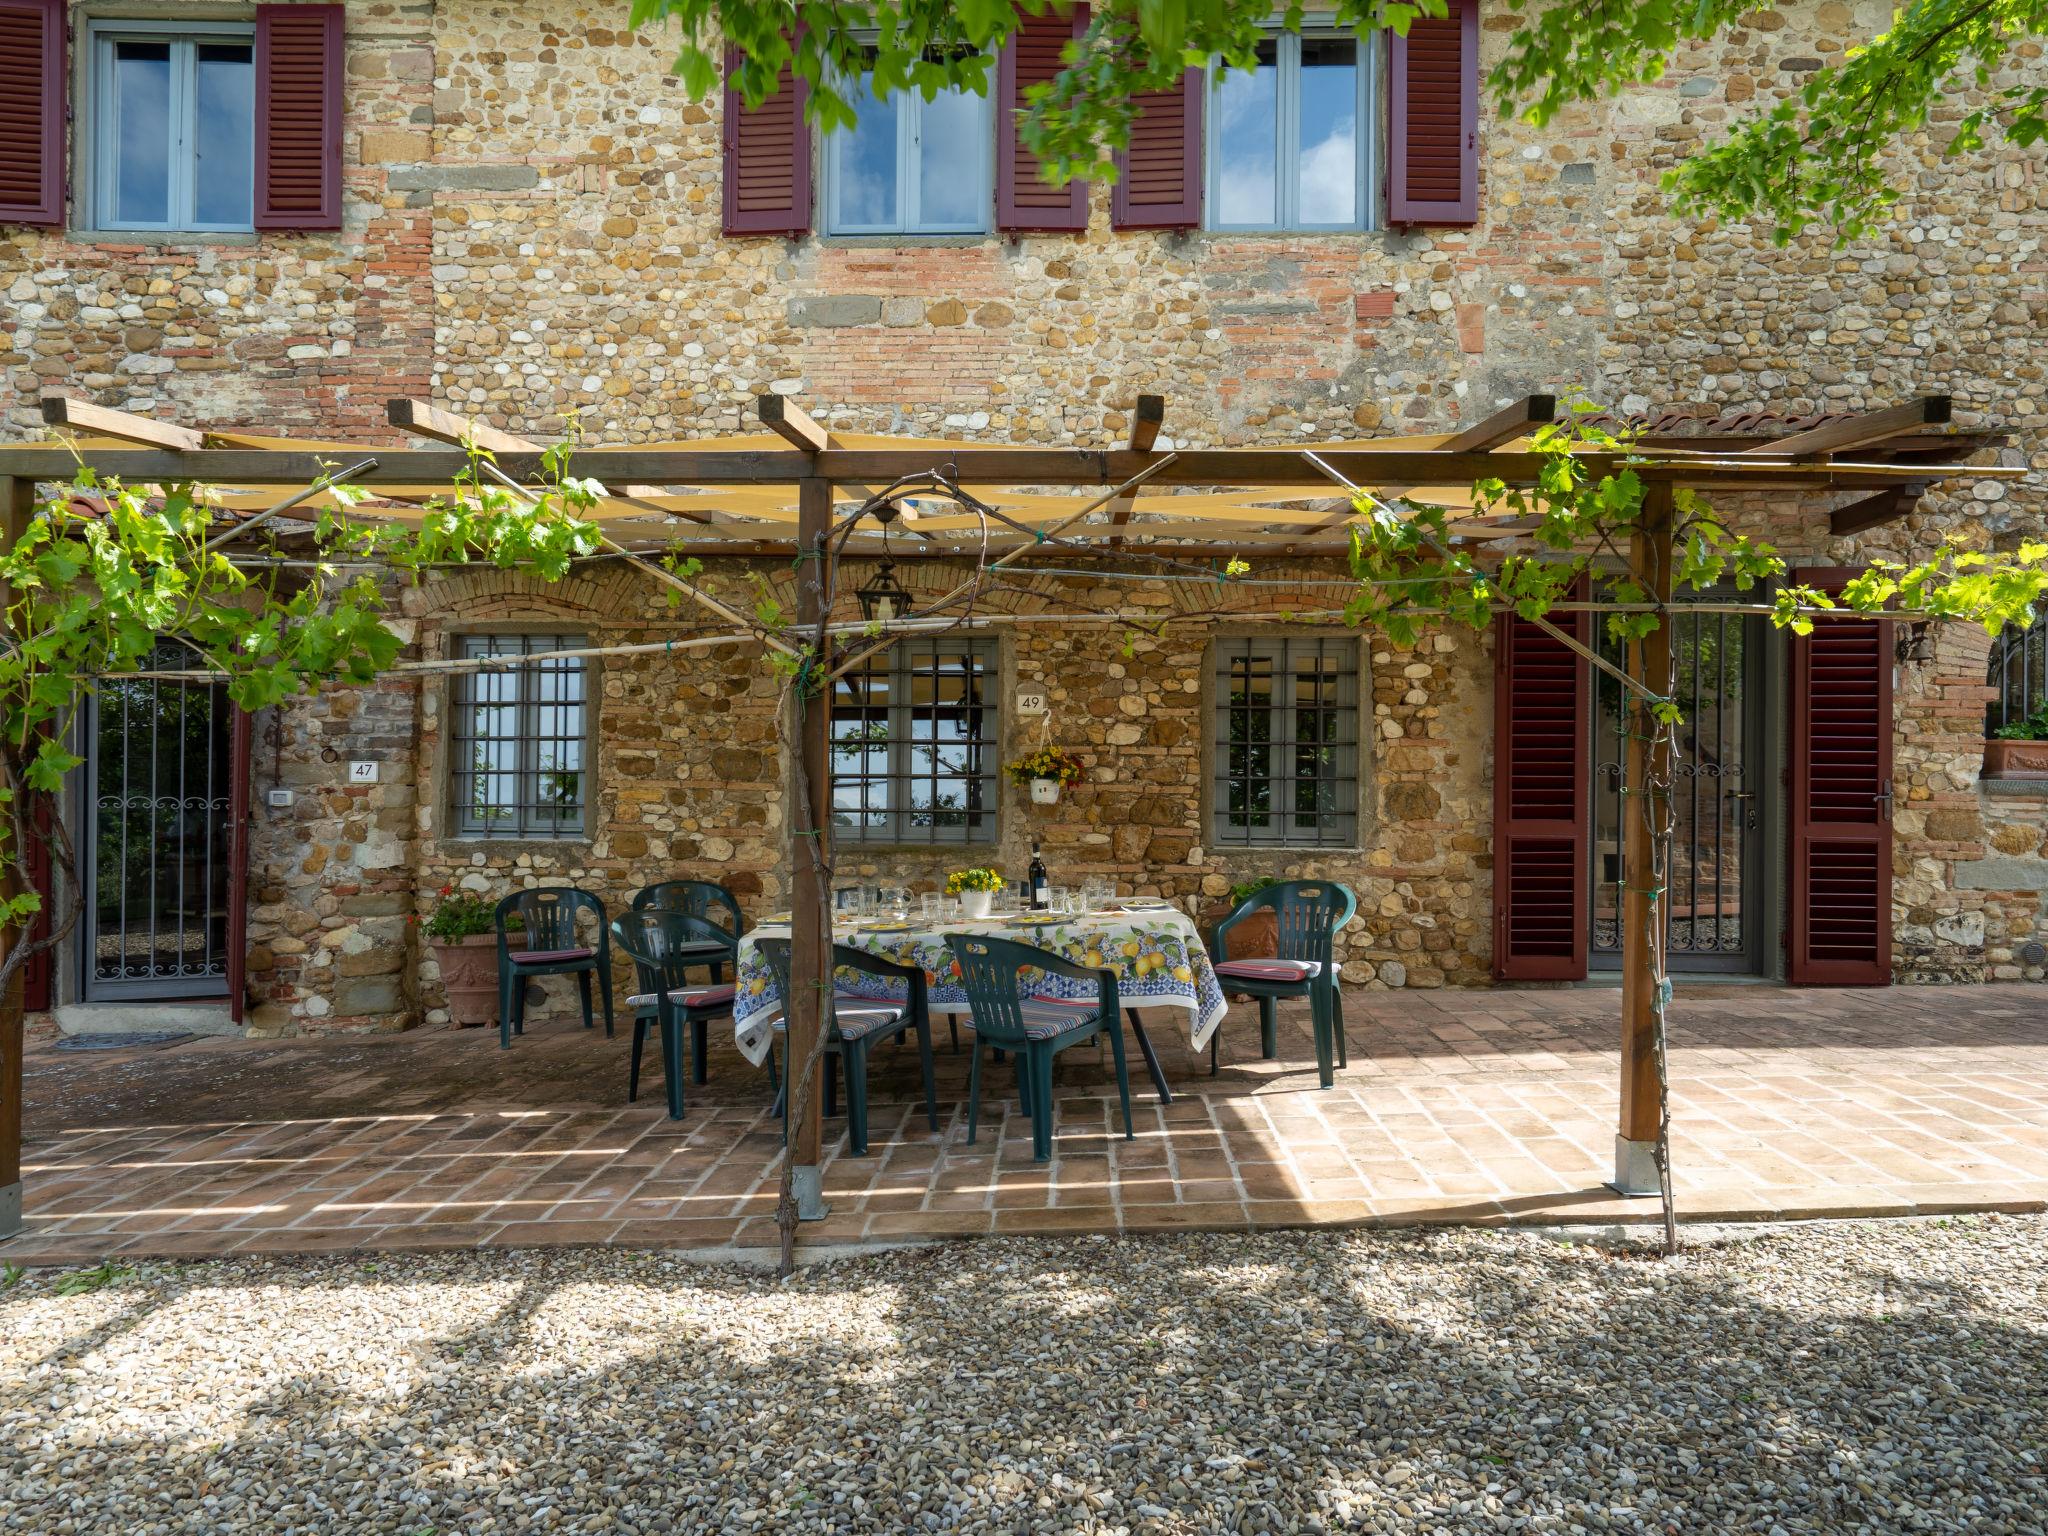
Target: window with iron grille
x=914 y=745
x=2018 y=676
x=518 y=739
x=1286 y=743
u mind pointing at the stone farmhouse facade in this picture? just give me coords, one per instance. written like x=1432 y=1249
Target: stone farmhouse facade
x=528 y=218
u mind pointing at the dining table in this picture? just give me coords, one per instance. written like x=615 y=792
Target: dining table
x=1155 y=948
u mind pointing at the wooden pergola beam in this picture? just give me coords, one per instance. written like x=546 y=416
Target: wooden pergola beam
x=1860 y=431
x=1146 y=421
x=1505 y=425
x=792 y=423
x=430 y=421
x=60 y=410
x=1874 y=511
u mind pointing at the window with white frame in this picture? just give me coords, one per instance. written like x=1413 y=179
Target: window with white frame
x=914 y=745
x=910 y=166
x=1293 y=142
x=173 y=125
x=517 y=738
x=1286 y=742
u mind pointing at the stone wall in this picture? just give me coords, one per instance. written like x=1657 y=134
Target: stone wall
x=531 y=230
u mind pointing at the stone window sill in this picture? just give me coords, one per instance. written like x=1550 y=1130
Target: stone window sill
x=161 y=237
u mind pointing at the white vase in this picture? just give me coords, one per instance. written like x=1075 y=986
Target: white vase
x=1045 y=791
x=975 y=904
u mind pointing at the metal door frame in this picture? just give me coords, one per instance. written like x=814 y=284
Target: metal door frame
x=1758 y=895
x=98 y=989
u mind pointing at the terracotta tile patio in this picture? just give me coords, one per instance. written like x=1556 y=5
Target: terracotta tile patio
x=1457 y=1107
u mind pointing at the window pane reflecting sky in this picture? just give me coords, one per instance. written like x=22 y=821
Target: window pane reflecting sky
x=949 y=171
x=224 y=128
x=868 y=194
x=1248 y=141
x=1329 y=130
x=142 y=131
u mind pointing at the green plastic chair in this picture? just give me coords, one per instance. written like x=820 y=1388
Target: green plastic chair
x=1309 y=913
x=551 y=947
x=1006 y=1015
x=663 y=946
x=712 y=904
x=857 y=1023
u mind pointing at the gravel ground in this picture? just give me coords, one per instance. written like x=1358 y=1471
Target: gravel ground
x=1881 y=1376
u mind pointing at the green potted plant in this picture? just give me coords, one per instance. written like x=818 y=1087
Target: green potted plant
x=1048 y=771
x=976 y=889
x=2019 y=750
x=463 y=935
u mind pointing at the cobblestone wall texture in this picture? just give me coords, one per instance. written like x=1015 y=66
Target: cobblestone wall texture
x=532 y=230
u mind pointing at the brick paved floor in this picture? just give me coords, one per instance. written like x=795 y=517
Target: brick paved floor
x=1458 y=1107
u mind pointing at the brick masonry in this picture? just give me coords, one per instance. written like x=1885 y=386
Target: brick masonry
x=531 y=231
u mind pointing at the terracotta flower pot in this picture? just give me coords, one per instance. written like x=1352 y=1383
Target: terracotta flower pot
x=2016 y=760
x=469 y=974
x=1257 y=937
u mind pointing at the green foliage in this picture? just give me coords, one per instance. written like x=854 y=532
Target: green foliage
x=461 y=915
x=83 y=1282
x=1822 y=153
x=11 y=1275
x=105 y=572
x=2033 y=728
x=1243 y=891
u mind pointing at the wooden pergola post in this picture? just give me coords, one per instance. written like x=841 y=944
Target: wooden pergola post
x=1646 y=774
x=810 y=831
x=17 y=503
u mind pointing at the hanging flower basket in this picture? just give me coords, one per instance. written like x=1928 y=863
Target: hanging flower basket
x=1047 y=771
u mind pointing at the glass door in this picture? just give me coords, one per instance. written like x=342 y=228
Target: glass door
x=1716 y=845
x=156 y=859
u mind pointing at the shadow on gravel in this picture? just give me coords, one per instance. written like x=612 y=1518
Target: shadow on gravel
x=1288 y=1381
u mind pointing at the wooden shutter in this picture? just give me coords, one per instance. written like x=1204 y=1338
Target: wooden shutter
x=298 y=116
x=1841 y=811
x=767 y=159
x=31 y=111
x=1433 y=148
x=1541 y=801
x=1024 y=199
x=1159 y=177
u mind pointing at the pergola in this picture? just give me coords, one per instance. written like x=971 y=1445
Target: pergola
x=796 y=484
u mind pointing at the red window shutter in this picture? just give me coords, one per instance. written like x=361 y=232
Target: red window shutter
x=299 y=66
x=1841 y=810
x=32 y=111
x=1159 y=177
x=767 y=159
x=1541 y=801
x=1433 y=148
x=1025 y=200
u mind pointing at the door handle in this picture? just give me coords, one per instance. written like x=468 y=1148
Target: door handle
x=1747 y=806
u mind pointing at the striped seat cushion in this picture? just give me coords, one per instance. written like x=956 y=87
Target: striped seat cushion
x=859 y=1016
x=1269 y=970
x=1045 y=1017
x=548 y=956
x=689 y=997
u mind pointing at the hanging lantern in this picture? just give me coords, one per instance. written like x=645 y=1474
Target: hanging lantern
x=883 y=600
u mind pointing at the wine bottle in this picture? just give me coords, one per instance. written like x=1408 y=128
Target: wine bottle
x=1041 y=888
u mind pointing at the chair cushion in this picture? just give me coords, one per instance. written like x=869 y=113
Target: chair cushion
x=860 y=1016
x=688 y=997
x=1269 y=970
x=1045 y=1017
x=548 y=956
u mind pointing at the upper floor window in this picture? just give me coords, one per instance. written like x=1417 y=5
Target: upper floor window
x=517 y=739
x=910 y=166
x=173 y=125
x=1292 y=142
x=1286 y=745
x=2018 y=676
x=914 y=745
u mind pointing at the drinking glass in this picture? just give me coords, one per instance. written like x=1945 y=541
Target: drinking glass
x=893 y=902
